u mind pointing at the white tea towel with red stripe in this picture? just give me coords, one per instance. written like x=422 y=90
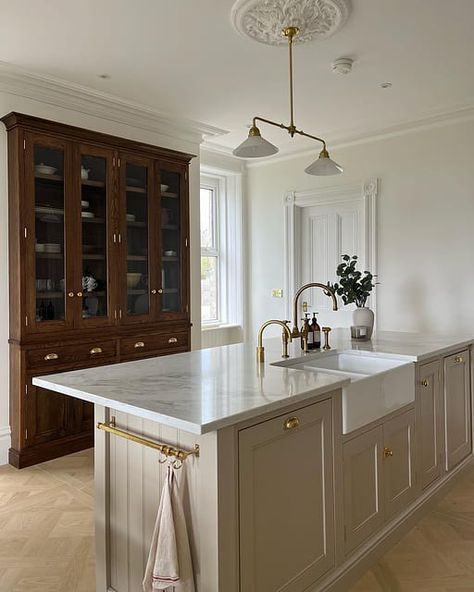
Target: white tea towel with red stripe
x=169 y=565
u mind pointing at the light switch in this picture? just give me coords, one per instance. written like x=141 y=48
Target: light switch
x=277 y=293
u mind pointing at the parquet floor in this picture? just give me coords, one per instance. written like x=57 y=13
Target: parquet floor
x=47 y=526
x=437 y=555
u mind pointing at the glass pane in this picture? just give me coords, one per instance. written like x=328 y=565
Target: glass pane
x=207 y=218
x=138 y=300
x=209 y=288
x=94 y=236
x=170 y=241
x=49 y=233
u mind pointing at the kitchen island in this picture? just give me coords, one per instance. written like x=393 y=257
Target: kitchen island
x=285 y=494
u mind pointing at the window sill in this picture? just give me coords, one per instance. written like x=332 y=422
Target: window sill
x=219 y=326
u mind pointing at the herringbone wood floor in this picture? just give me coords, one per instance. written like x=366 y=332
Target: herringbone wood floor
x=47 y=535
x=47 y=526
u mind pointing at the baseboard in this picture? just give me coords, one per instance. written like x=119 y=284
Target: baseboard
x=4 y=444
x=34 y=455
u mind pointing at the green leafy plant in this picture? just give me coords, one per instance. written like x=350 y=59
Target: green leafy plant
x=354 y=285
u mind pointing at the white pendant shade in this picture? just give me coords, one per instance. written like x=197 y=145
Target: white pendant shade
x=255 y=147
x=323 y=166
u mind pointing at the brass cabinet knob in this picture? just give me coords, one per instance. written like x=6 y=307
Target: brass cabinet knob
x=79 y=294
x=173 y=340
x=96 y=350
x=387 y=452
x=459 y=360
x=425 y=383
x=291 y=423
x=51 y=356
x=71 y=294
x=160 y=291
x=153 y=291
x=139 y=344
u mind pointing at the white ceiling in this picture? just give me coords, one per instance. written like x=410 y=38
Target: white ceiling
x=183 y=58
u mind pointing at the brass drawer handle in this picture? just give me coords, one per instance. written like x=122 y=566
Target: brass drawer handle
x=139 y=344
x=52 y=356
x=459 y=360
x=173 y=340
x=425 y=383
x=96 y=350
x=291 y=423
x=387 y=452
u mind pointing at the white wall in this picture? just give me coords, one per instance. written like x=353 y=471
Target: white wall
x=10 y=102
x=425 y=226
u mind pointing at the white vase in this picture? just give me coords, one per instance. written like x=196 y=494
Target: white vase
x=364 y=317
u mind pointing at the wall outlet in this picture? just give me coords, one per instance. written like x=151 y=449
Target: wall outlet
x=277 y=293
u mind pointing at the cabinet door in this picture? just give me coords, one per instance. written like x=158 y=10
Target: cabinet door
x=96 y=251
x=363 y=497
x=286 y=501
x=137 y=193
x=48 y=214
x=429 y=423
x=171 y=260
x=45 y=415
x=398 y=463
x=457 y=408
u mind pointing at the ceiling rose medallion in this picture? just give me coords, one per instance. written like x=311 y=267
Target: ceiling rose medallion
x=263 y=20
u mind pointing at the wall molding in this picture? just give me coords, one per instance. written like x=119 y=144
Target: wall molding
x=86 y=100
x=4 y=444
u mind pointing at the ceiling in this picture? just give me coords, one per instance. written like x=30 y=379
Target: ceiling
x=184 y=59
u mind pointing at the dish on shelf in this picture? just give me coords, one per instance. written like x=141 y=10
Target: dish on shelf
x=164 y=187
x=88 y=214
x=84 y=203
x=44 y=169
x=133 y=279
x=170 y=253
x=48 y=210
x=131 y=217
x=47 y=248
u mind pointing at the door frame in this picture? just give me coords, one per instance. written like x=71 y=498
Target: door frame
x=295 y=201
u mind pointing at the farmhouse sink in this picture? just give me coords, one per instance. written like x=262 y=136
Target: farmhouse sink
x=379 y=383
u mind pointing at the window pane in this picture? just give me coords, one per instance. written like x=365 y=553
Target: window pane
x=209 y=288
x=207 y=215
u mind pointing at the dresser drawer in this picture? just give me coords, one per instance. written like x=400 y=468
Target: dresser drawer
x=153 y=342
x=83 y=353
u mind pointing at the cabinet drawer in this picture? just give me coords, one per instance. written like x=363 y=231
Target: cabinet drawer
x=70 y=354
x=144 y=344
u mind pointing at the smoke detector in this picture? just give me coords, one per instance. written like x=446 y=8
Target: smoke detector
x=342 y=65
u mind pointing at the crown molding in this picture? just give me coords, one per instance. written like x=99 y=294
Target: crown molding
x=86 y=100
x=458 y=114
x=216 y=148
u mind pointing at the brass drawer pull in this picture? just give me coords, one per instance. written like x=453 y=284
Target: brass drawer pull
x=139 y=344
x=79 y=294
x=96 y=350
x=52 y=356
x=173 y=340
x=71 y=294
x=425 y=383
x=387 y=452
x=291 y=423
x=459 y=360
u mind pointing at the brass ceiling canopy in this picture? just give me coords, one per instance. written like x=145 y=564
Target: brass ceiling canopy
x=255 y=146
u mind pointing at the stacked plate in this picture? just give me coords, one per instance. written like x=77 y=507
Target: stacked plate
x=48 y=248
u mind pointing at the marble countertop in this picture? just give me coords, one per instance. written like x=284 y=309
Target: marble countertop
x=205 y=390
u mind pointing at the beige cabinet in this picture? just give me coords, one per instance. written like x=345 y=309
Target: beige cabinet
x=457 y=408
x=429 y=422
x=286 y=491
x=379 y=477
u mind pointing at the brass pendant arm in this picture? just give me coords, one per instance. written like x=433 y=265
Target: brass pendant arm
x=291 y=129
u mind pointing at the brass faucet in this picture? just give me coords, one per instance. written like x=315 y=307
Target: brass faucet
x=327 y=290
x=285 y=337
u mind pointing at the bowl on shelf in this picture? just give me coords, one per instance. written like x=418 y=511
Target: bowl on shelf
x=84 y=203
x=44 y=169
x=131 y=217
x=170 y=253
x=133 y=279
x=88 y=214
x=164 y=187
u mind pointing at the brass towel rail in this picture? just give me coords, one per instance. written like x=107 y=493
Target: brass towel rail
x=165 y=449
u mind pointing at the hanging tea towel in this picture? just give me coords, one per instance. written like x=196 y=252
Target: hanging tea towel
x=169 y=565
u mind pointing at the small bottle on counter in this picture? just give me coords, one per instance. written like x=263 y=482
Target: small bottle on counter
x=316 y=329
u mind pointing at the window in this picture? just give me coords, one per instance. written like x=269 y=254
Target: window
x=210 y=253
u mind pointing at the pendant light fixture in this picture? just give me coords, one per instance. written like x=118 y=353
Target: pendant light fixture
x=255 y=146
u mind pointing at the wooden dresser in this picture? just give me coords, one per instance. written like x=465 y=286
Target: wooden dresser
x=99 y=269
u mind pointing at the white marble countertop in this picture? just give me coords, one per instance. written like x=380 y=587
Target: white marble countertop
x=205 y=390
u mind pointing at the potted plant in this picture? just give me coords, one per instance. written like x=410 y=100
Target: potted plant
x=355 y=286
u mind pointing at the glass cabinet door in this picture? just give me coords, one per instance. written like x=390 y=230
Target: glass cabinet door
x=48 y=302
x=172 y=245
x=94 y=169
x=136 y=183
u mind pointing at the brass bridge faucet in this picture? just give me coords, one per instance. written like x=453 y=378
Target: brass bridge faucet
x=326 y=289
x=285 y=337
